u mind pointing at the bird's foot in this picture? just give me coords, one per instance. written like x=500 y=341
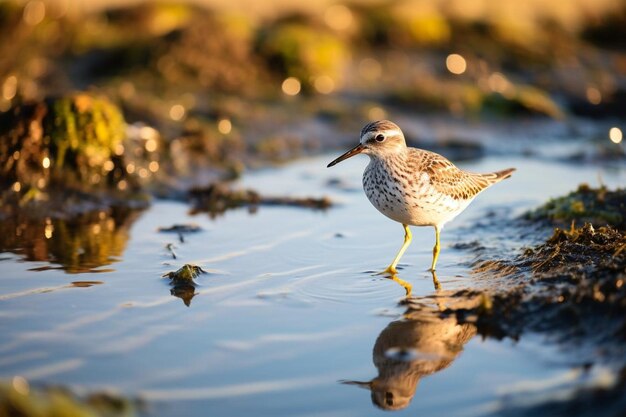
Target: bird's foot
x=435 y=280
x=390 y=270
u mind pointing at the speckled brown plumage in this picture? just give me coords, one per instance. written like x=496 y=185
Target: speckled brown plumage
x=450 y=180
x=413 y=186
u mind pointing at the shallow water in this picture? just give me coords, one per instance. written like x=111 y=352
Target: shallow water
x=289 y=307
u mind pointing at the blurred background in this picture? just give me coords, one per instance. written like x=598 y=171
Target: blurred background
x=227 y=85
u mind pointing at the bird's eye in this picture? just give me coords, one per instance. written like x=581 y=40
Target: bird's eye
x=380 y=137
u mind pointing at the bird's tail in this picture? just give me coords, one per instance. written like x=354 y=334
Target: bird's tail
x=498 y=176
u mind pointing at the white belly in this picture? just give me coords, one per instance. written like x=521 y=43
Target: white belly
x=417 y=204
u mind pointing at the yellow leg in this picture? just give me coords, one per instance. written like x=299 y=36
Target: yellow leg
x=436 y=249
x=391 y=269
x=407 y=287
x=435 y=280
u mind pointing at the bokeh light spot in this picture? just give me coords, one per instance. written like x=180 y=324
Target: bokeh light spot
x=9 y=88
x=49 y=231
x=338 y=17
x=456 y=64
x=376 y=113
x=224 y=126
x=291 y=86
x=34 y=13
x=594 y=96
x=153 y=166
x=615 y=134
x=324 y=84
x=177 y=112
x=151 y=145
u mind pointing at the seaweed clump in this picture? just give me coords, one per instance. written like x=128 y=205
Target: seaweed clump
x=571 y=286
x=183 y=282
x=186 y=273
x=572 y=289
x=598 y=206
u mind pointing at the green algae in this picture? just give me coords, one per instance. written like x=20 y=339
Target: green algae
x=598 y=206
x=18 y=398
x=186 y=273
x=182 y=281
x=301 y=50
x=523 y=99
x=436 y=94
x=570 y=286
x=71 y=142
x=83 y=127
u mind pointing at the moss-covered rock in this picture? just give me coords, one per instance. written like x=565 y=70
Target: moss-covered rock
x=598 y=206
x=523 y=99
x=400 y=24
x=171 y=46
x=294 y=48
x=18 y=398
x=71 y=142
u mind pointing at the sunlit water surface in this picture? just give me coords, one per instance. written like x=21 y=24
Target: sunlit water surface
x=289 y=307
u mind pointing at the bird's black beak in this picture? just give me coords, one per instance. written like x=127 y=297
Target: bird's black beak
x=356 y=150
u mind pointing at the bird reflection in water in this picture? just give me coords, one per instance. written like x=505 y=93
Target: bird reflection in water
x=408 y=288
x=420 y=344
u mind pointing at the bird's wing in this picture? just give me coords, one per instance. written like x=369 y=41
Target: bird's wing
x=446 y=178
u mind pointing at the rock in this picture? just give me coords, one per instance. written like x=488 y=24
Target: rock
x=71 y=142
x=293 y=47
x=597 y=206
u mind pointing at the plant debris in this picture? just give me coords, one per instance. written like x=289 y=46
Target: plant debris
x=170 y=248
x=181 y=230
x=219 y=197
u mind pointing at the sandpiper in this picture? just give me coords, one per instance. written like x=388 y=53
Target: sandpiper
x=413 y=186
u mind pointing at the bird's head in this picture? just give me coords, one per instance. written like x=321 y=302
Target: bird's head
x=378 y=139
